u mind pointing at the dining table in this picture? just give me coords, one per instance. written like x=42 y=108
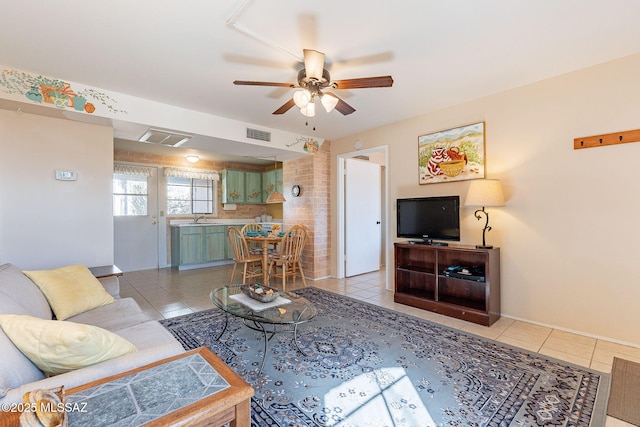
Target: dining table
x=265 y=241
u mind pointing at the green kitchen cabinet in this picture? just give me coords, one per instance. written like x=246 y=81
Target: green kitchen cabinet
x=279 y=181
x=228 y=248
x=215 y=243
x=187 y=245
x=233 y=186
x=253 y=187
x=192 y=245
x=250 y=186
x=268 y=184
x=241 y=186
x=271 y=181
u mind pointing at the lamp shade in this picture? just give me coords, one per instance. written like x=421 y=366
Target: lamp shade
x=313 y=63
x=485 y=192
x=309 y=110
x=301 y=98
x=276 y=197
x=329 y=102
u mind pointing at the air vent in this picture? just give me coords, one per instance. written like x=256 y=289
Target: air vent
x=260 y=135
x=162 y=137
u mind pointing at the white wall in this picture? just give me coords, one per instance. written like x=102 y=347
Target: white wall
x=569 y=233
x=45 y=223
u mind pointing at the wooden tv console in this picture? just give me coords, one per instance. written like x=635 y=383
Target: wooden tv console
x=420 y=281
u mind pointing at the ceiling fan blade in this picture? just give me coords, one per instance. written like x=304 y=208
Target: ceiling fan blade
x=313 y=63
x=285 y=107
x=251 y=83
x=365 y=82
x=342 y=106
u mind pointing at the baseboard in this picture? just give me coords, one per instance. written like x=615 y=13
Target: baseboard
x=573 y=331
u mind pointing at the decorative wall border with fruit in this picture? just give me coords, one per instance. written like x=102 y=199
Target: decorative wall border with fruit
x=452 y=155
x=59 y=93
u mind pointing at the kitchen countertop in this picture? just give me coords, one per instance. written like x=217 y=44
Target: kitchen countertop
x=209 y=222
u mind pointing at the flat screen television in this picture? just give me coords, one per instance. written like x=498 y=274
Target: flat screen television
x=429 y=218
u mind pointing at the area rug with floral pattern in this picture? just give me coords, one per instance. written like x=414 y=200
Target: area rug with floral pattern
x=365 y=365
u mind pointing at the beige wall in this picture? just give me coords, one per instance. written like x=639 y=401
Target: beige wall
x=45 y=223
x=568 y=234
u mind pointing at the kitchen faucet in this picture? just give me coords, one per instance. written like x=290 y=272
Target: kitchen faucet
x=197 y=218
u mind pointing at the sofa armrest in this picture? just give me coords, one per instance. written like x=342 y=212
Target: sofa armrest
x=112 y=285
x=96 y=372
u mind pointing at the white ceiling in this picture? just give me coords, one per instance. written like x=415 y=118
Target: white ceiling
x=187 y=53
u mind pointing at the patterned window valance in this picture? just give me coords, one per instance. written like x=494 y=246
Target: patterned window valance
x=131 y=169
x=192 y=173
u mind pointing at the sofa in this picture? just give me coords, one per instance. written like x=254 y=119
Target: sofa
x=19 y=295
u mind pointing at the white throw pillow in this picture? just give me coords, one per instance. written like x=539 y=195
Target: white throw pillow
x=70 y=290
x=57 y=346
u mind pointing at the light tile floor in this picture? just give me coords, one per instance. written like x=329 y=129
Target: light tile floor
x=166 y=292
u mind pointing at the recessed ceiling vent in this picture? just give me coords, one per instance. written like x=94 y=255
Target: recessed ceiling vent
x=162 y=137
x=260 y=135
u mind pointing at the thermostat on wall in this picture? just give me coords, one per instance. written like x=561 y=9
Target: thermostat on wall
x=66 y=175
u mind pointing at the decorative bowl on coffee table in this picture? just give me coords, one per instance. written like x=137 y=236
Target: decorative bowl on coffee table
x=260 y=292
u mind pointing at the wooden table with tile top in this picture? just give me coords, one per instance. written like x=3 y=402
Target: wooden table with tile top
x=231 y=405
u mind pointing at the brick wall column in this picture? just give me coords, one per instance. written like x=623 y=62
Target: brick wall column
x=311 y=208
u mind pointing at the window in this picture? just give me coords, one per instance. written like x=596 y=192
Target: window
x=190 y=196
x=129 y=195
x=202 y=199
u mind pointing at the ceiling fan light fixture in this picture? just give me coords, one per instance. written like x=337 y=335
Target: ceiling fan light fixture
x=329 y=102
x=313 y=79
x=309 y=110
x=313 y=63
x=301 y=98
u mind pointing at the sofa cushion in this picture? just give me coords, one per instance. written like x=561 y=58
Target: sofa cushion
x=70 y=290
x=15 y=368
x=57 y=346
x=121 y=314
x=18 y=287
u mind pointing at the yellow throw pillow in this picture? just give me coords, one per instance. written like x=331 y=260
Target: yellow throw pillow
x=70 y=290
x=56 y=346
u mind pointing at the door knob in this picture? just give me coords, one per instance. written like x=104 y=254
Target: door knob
x=154 y=222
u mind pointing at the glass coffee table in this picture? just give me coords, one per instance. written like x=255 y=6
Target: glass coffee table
x=285 y=313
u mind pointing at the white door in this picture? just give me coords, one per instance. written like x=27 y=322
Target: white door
x=362 y=217
x=136 y=236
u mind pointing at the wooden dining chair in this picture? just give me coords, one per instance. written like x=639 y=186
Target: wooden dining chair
x=286 y=263
x=252 y=263
x=254 y=247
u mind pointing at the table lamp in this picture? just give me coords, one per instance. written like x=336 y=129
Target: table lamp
x=484 y=192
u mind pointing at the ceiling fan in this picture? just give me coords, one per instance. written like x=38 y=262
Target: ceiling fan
x=313 y=79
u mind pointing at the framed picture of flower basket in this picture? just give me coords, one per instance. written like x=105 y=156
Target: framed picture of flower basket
x=452 y=155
